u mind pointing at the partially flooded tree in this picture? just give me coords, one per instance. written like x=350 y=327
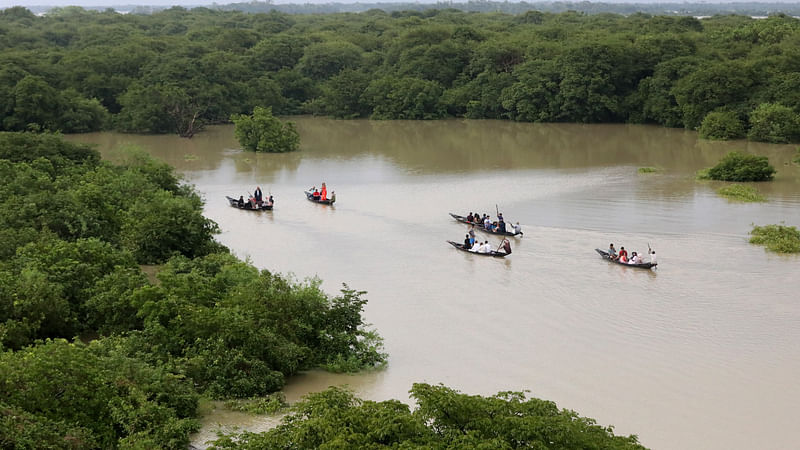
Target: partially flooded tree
x=263 y=132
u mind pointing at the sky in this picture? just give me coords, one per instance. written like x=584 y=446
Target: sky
x=9 y=3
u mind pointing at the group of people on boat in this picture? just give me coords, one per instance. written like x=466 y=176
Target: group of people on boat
x=256 y=200
x=484 y=247
x=497 y=226
x=322 y=193
x=622 y=255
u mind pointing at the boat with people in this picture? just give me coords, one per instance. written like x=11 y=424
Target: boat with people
x=493 y=253
x=607 y=256
x=310 y=195
x=251 y=204
x=479 y=225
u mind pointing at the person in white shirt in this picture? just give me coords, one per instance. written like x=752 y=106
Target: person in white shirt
x=635 y=259
x=653 y=257
x=476 y=247
x=487 y=247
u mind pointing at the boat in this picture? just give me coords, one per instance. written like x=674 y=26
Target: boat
x=494 y=253
x=480 y=226
x=328 y=201
x=606 y=256
x=249 y=206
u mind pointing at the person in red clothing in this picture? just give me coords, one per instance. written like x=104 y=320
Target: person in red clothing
x=623 y=255
x=323 y=195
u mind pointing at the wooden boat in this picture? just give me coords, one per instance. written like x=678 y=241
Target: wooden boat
x=494 y=254
x=328 y=201
x=606 y=256
x=480 y=226
x=249 y=206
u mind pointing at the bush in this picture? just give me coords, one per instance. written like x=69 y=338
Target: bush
x=777 y=238
x=443 y=419
x=263 y=132
x=772 y=122
x=722 y=125
x=739 y=167
x=741 y=193
x=647 y=170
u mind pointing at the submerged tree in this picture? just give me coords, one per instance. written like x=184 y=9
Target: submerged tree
x=263 y=132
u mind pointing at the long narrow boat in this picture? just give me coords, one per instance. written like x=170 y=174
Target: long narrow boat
x=480 y=226
x=494 y=254
x=248 y=206
x=328 y=201
x=606 y=256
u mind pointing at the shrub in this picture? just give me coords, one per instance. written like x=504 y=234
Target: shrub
x=737 y=166
x=777 y=238
x=741 y=193
x=647 y=170
x=259 y=405
x=772 y=122
x=722 y=125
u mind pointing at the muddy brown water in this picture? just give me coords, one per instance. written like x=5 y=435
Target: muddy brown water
x=702 y=353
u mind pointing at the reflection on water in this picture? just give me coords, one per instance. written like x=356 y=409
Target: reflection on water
x=701 y=353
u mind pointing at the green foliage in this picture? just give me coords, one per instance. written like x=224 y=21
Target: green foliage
x=647 y=170
x=777 y=238
x=739 y=167
x=104 y=398
x=722 y=125
x=177 y=70
x=772 y=122
x=157 y=227
x=443 y=419
x=270 y=404
x=404 y=98
x=741 y=193
x=263 y=132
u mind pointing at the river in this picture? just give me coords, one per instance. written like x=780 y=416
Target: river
x=702 y=353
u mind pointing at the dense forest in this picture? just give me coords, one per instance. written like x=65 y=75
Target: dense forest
x=175 y=70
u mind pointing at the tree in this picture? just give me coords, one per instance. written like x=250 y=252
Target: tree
x=773 y=122
x=263 y=132
x=722 y=125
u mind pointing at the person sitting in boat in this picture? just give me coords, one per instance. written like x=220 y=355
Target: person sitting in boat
x=470 y=217
x=612 y=252
x=271 y=200
x=315 y=194
x=323 y=195
x=635 y=259
x=487 y=247
x=623 y=255
x=467 y=242
x=476 y=247
x=487 y=224
x=505 y=246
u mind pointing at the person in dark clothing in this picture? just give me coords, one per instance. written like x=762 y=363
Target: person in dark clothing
x=241 y=201
x=501 y=226
x=467 y=243
x=258 y=195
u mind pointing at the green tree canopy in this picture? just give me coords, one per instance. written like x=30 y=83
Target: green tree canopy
x=263 y=132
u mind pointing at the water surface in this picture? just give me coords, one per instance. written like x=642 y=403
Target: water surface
x=702 y=353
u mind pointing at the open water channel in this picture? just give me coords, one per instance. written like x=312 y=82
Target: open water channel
x=702 y=353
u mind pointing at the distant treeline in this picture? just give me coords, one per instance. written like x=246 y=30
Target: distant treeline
x=661 y=8
x=175 y=70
